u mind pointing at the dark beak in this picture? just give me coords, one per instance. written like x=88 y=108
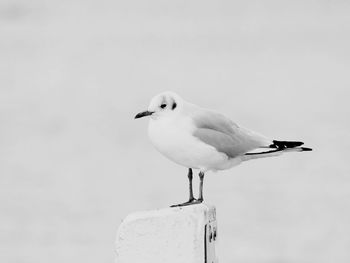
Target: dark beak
x=143 y=114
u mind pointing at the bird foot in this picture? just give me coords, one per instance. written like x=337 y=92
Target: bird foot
x=189 y=202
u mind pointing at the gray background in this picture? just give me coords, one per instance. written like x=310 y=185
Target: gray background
x=74 y=162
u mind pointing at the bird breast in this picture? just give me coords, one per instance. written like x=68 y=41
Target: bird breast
x=169 y=137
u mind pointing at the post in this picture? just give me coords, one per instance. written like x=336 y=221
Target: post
x=172 y=235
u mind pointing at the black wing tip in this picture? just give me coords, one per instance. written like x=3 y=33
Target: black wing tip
x=288 y=144
x=305 y=149
x=285 y=144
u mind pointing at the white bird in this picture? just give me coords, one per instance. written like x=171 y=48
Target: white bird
x=203 y=139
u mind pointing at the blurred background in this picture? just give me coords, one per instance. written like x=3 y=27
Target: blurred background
x=74 y=162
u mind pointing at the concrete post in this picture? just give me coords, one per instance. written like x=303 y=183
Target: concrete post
x=171 y=235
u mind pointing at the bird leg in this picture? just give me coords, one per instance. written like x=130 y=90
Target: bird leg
x=190 y=177
x=191 y=199
x=201 y=177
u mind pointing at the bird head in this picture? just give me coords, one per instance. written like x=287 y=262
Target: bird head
x=163 y=104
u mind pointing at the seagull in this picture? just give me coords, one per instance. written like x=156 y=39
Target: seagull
x=206 y=140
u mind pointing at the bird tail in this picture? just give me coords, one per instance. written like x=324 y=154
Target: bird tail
x=278 y=147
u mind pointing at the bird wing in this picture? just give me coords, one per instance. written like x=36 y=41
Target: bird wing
x=224 y=135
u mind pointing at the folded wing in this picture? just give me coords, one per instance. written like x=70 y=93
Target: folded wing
x=226 y=136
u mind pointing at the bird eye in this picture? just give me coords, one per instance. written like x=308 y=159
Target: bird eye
x=174 y=106
x=163 y=106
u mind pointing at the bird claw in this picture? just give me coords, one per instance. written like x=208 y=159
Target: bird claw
x=189 y=202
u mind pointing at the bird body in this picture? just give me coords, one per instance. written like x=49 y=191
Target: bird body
x=203 y=139
x=174 y=137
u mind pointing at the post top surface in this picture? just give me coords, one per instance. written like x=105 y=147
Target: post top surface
x=206 y=210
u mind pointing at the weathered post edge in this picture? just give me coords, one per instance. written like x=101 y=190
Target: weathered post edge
x=172 y=235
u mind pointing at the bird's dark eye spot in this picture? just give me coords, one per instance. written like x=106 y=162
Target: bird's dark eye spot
x=174 y=106
x=163 y=106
